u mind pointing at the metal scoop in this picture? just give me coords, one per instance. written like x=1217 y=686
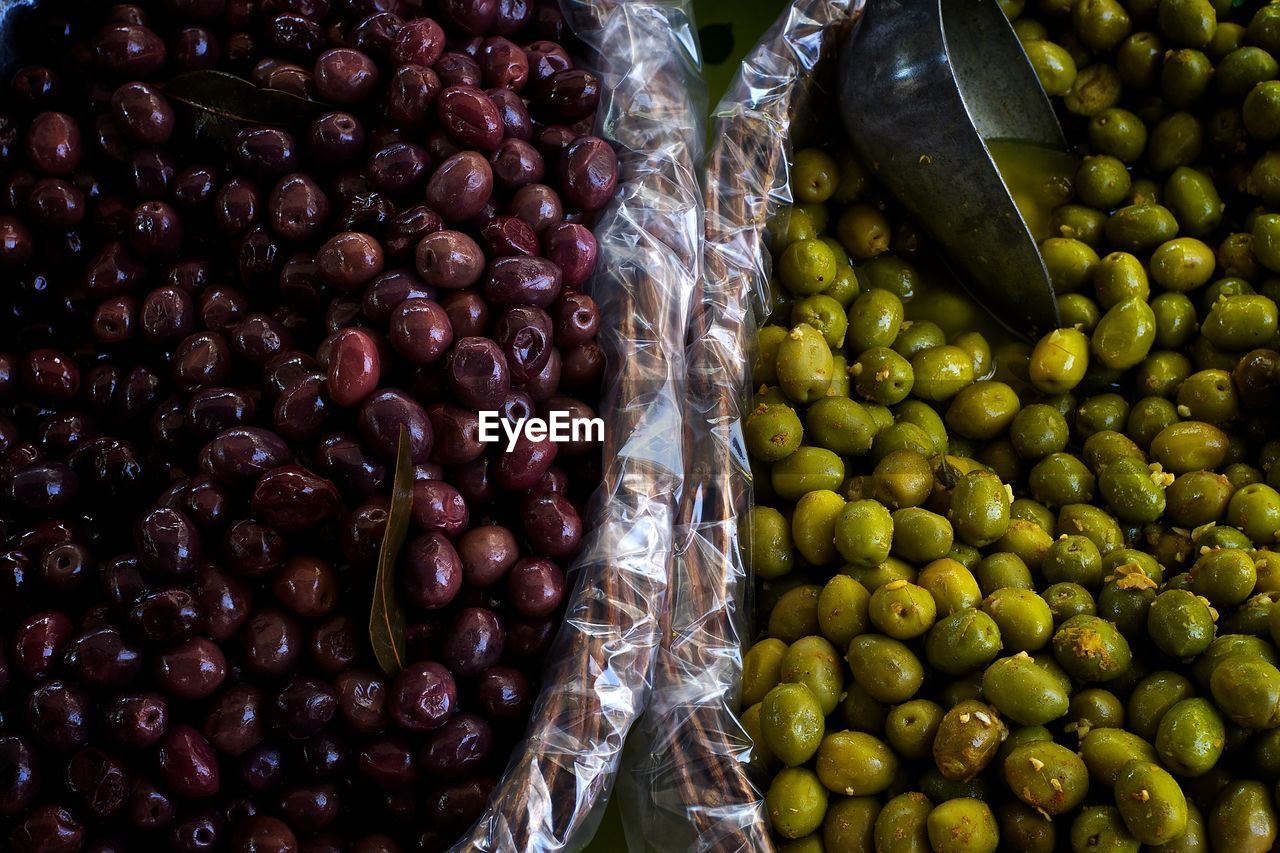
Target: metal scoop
x=925 y=86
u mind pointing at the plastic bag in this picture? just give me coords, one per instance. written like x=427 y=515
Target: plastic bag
x=691 y=788
x=552 y=795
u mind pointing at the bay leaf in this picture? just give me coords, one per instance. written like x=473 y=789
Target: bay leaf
x=223 y=103
x=386 y=617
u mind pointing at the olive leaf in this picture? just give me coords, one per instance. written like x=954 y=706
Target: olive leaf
x=223 y=103
x=386 y=618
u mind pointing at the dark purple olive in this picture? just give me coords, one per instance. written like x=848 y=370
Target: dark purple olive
x=516 y=163
x=57 y=715
x=411 y=95
x=475 y=481
x=341 y=458
x=304 y=706
x=535 y=587
x=188 y=765
x=103 y=658
x=525 y=335
x=53 y=143
x=576 y=319
x=47 y=829
x=360 y=536
x=419 y=41
x=166 y=616
x=211 y=411
x=262 y=834
x=570 y=95
x=508 y=236
x=430 y=571
x=240 y=456
x=192 y=670
x=294 y=499
x=349 y=260
x=38 y=643
x=474 y=642
x=237 y=206
x=197 y=832
x=390 y=290
x=383 y=415
x=270 y=643
x=66 y=568
x=335 y=138
x=438 y=506
x=552 y=524
x=297 y=207
x=354 y=367
x=97 y=781
x=457 y=434
x=56 y=203
x=407 y=228
x=262 y=767
x=286 y=368
x=362 y=698
x=478 y=374
x=344 y=76
x=487 y=553
x=202 y=360
x=148 y=806
x=449 y=260
x=583 y=366
x=136 y=720
x=457 y=805
x=459 y=747
x=325 y=756
x=546 y=59
x=423 y=697
x=503 y=694
x=470 y=117
x=538 y=205
x=222 y=308
x=129 y=51
x=523 y=465
x=44 y=487
x=334 y=644
x=461 y=186
x=387 y=762
x=235 y=724
x=252 y=550
x=20 y=775
x=265 y=152
x=308 y=586
x=525 y=281
x=310 y=807
x=573 y=248
x=588 y=173
x=167 y=543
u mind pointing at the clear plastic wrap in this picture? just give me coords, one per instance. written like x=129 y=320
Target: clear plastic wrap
x=552 y=795
x=689 y=771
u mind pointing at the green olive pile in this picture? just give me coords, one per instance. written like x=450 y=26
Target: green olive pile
x=1024 y=596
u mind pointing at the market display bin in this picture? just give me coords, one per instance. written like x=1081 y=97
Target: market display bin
x=599 y=670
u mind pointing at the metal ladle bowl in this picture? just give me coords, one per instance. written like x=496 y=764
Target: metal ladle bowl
x=924 y=86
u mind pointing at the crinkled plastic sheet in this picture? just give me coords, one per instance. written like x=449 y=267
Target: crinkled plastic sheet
x=552 y=795
x=692 y=785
